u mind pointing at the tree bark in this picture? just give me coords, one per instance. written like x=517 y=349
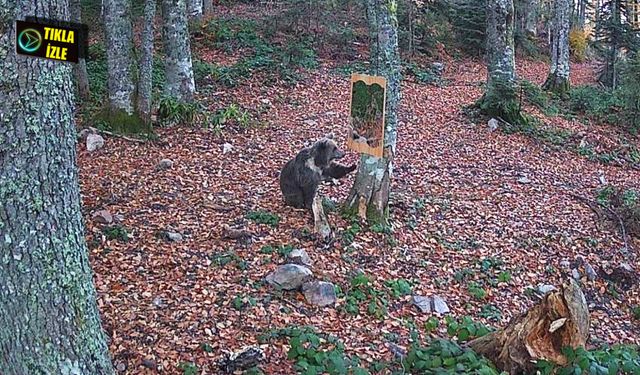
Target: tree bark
x=500 y=98
x=177 y=51
x=561 y=319
x=194 y=9
x=558 y=79
x=207 y=7
x=80 y=69
x=49 y=320
x=146 y=63
x=369 y=196
x=118 y=36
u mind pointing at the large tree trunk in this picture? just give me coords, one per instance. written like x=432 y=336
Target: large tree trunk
x=177 y=52
x=194 y=9
x=369 y=196
x=80 y=69
x=500 y=98
x=527 y=17
x=146 y=62
x=207 y=7
x=49 y=321
x=118 y=35
x=558 y=79
x=561 y=319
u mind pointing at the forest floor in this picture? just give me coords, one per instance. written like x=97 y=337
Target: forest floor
x=471 y=208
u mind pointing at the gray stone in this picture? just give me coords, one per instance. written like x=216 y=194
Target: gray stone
x=84 y=133
x=524 y=180
x=102 y=217
x=173 y=236
x=289 y=276
x=226 y=148
x=565 y=264
x=430 y=304
x=493 y=124
x=422 y=303
x=589 y=271
x=311 y=122
x=319 y=293
x=439 y=305
x=165 y=164
x=299 y=256
x=575 y=274
x=397 y=350
x=94 y=142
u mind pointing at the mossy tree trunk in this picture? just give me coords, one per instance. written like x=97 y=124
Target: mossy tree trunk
x=119 y=45
x=49 y=320
x=527 y=16
x=369 y=196
x=561 y=319
x=177 y=51
x=207 y=7
x=558 y=79
x=500 y=99
x=80 y=69
x=146 y=63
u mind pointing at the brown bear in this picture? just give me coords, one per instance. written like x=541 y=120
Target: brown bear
x=300 y=177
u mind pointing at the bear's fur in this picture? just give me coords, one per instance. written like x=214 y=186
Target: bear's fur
x=300 y=177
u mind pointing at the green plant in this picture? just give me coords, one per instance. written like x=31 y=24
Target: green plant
x=282 y=250
x=241 y=302
x=360 y=291
x=635 y=311
x=465 y=329
x=172 y=111
x=116 y=232
x=445 y=357
x=399 y=287
x=431 y=324
x=617 y=359
x=476 y=290
x=222 y=259
x=264 y=217
x=504 y=276
x=317 y=353
x=231 y=114
x=188 y=368
x=349 y=234
x=491 y=312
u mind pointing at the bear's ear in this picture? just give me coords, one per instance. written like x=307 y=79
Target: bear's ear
x=330 y=135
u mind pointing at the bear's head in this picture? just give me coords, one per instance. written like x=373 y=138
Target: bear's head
x=324 y=151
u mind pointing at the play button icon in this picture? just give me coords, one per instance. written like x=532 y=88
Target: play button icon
x=29 y=40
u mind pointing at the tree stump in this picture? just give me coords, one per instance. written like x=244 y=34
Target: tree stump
x=560 y=319
x=321 y=224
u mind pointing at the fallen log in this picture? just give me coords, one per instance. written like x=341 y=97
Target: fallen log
x=559 y=320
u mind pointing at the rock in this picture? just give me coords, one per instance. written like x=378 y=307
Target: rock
x=319 y=293
x=493 y=124
x=575 y=274
x=524 y=180
x=430 y=304
x=164 y=164
x=121 y=366
x=565 y=264
x=589 y=271
x=149 y=363
x=299 y=256
x=439 y=305
x=172 y=236
x=437 y=68
x=243 y=360
x=311 y=122
x=118 y=218
x=102 y=217
x=397 y=350
x=159 y=302
x=226 y=148
x=289 y=276
x=94 y=142
x=545 y=288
